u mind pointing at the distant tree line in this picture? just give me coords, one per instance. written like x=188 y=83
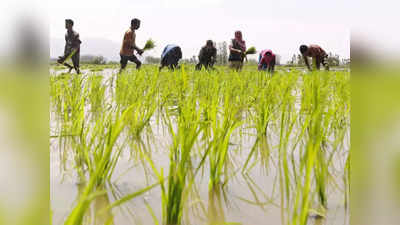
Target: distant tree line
x=222 y=59
x=222 y=53
x=89 y=59
x=93 y=59
x=152 y=60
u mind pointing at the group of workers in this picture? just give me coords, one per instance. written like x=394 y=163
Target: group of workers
x=172 y=53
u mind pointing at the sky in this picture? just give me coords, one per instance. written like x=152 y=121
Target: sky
x=278 y=25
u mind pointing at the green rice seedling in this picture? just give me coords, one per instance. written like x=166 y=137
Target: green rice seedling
x=96 y=69
x=261 y=112
x=287 y=122
x=347 y=179
x=223 y=125
x=251 y=51
x=215 y=214
x=96 y=92
x=102 y=164
x=70 y=99
x=132 y=89
x=319 y=109
x=292 y=124
x=150 y=44
x=188 y=129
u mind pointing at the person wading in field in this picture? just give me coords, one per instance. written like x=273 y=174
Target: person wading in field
x=129 y=45
x=266 y=61
x=207 y=56
x=72 y=47
x=318 y=55
x=237 y=51
x=170 y=57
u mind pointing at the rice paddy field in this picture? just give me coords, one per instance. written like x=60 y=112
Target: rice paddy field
x=199 y=147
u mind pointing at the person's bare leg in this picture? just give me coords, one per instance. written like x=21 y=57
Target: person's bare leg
x=318 y=63
x=138 y=63
x=123 y=63
x=272 y=67
x=75 y=62
x=198 y=66
x=69 y=67
x=206 y=65
x=240 y=66
x=325 y=64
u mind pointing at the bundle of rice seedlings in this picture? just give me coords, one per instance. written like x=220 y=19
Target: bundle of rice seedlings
x=251 y=51
x=149 y=45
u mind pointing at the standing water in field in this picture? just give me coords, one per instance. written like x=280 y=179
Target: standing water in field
x=200 y=147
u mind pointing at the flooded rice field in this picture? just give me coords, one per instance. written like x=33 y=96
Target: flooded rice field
x=190 y=147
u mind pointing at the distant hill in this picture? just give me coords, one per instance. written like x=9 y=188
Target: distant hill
x=91 y=46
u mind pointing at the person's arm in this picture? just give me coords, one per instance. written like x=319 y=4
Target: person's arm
x=134 y=46
x=179 y=53
x=234 y=49
x=214 y=56
x=201 y=54
x=66 y=45
x=260 y=64
x=306 y=62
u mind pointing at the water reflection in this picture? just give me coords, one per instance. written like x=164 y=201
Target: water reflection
x=216 y=214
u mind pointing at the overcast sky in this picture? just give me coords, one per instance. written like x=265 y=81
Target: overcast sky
x=278 y=25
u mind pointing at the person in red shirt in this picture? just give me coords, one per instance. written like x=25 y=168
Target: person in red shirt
x=266 y=61
x=129 y=45
x=318 y=55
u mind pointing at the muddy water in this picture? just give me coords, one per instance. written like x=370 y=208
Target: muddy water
x=247 y=198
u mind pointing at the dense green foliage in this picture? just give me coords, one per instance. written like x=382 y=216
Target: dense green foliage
x=219 y=125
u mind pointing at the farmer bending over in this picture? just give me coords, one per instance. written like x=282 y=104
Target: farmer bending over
x=318 y=55
x=207 y=56
x=266 y=61
x=237 y=51
x=72 y=47
x=129 y=45
x=170 y=57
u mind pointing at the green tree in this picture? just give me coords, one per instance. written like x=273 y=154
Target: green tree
x=153 y=60
x=300 y=60
x=222 y=53
x=333 y=60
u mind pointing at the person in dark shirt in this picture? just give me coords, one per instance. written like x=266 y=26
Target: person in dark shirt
x=318 y=55
x=72 y=47
x=170 y=57
x=207 y=56
x=237 y=51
